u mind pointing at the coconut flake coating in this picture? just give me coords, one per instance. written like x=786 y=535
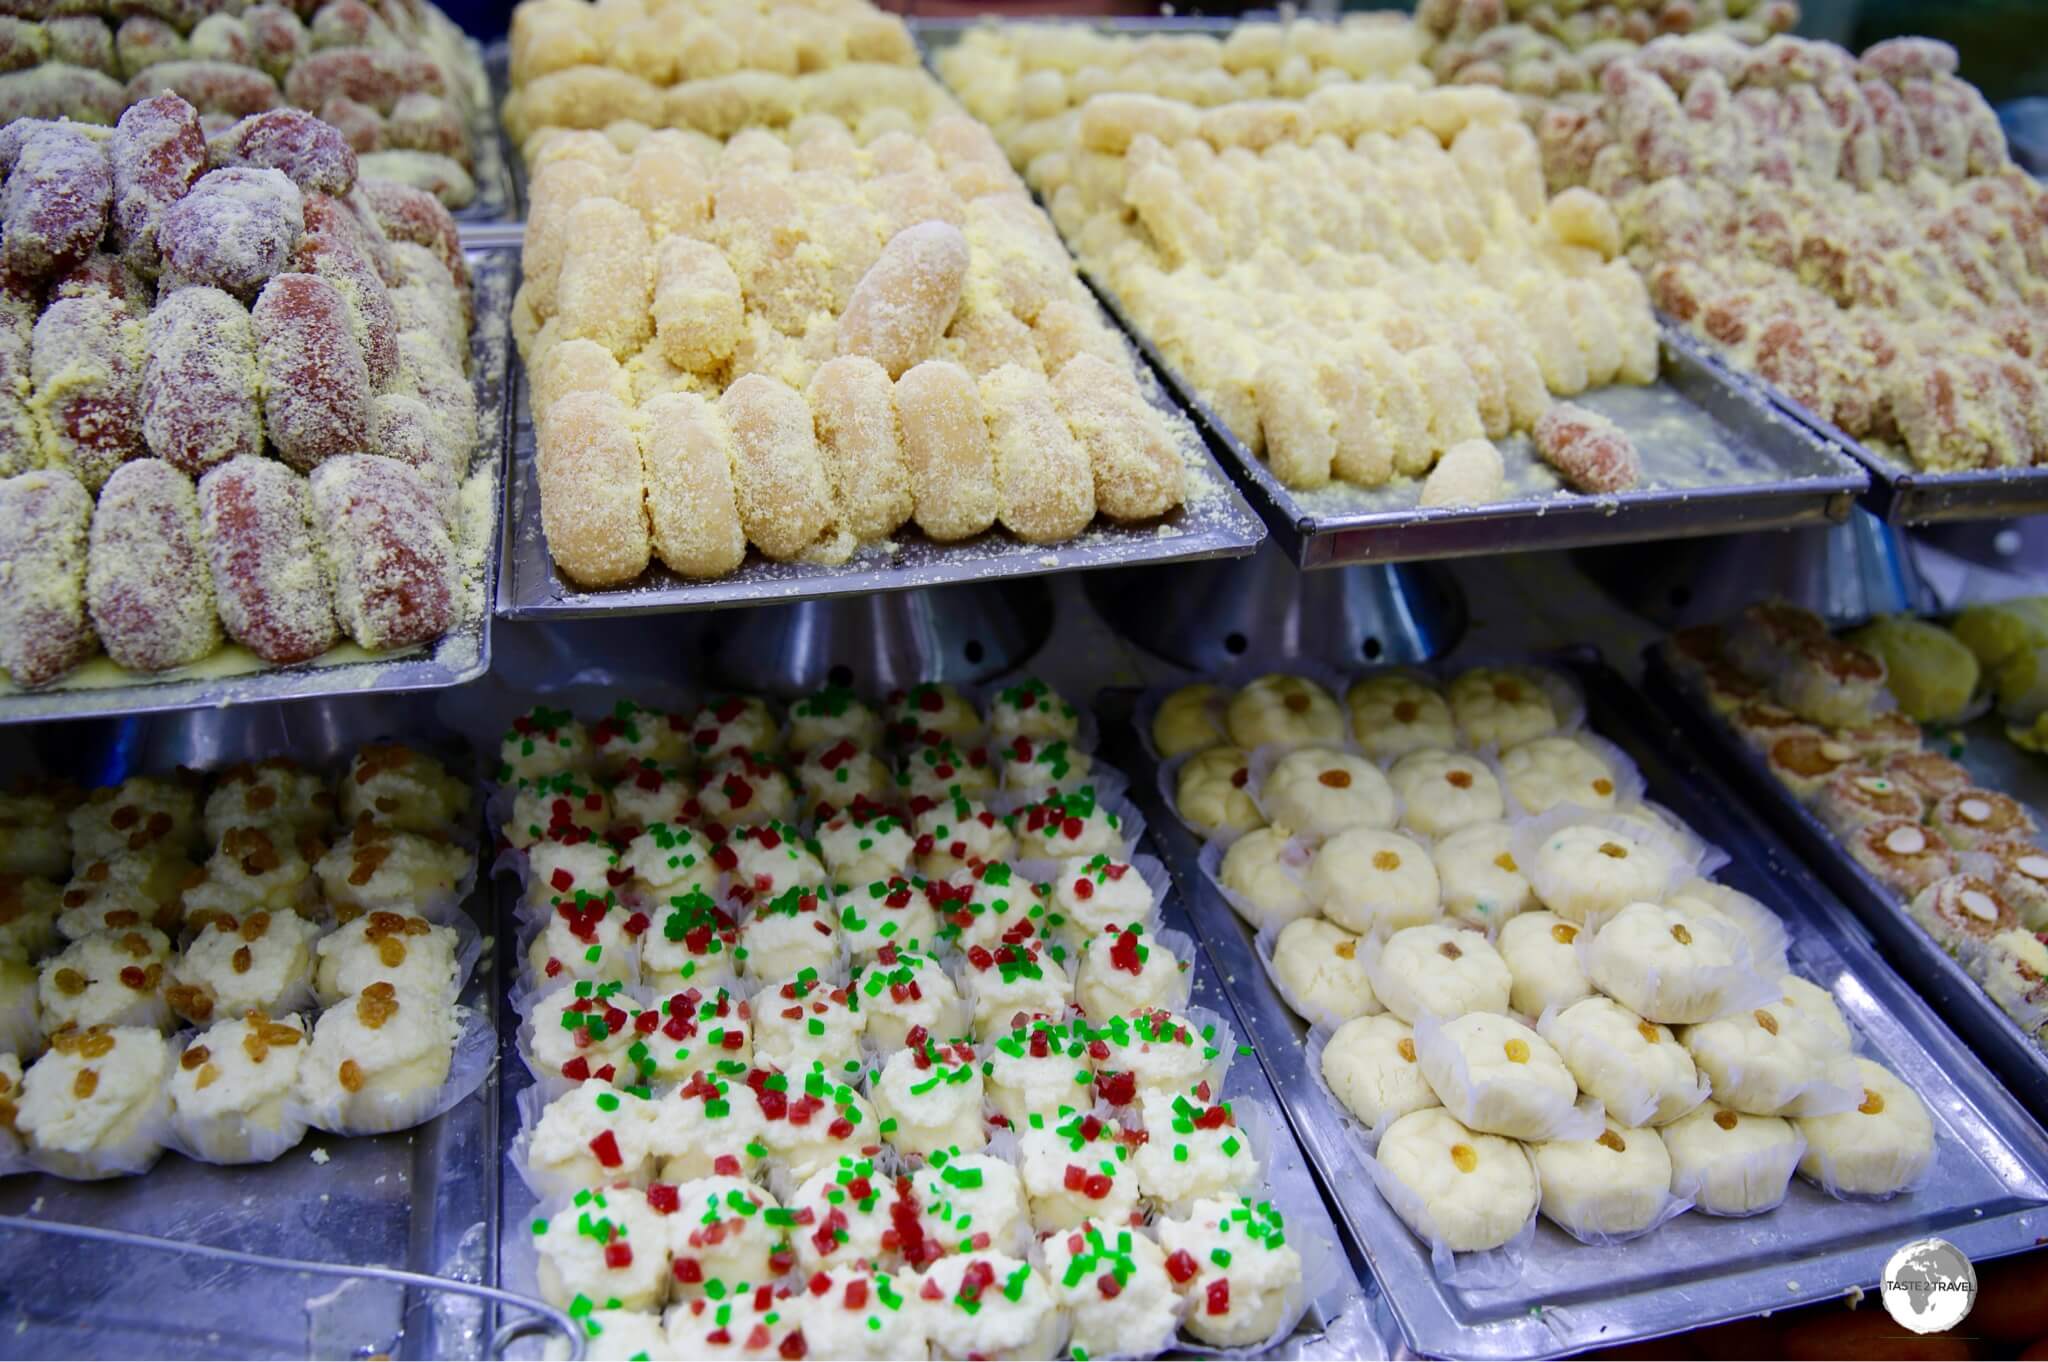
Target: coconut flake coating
x=376 y=78
x=85 y=367
x=199 y=381
x=254 y=515
x=43 y=627
x=402 y=428
x=409 y=214
x=212 y=87
x=316 y=384
x=17 y=427
x=140 y=43
x=311 y=154
x=146 y=579
x=234 y=230
x=53 y=209
x=388 y=550
x=332 y=248
x=158 y=153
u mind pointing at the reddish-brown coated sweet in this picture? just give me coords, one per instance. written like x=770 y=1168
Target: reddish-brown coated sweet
x=146 y=579
x=53 y=209
x=313 y=155
x=234 y=230
x=179 y=14
x=255 y=518
x=370 y=233
x=44 y=631
x=107 y=274
x=277 y=39
x=402 y=428
x=376 y=78
x=85 y=365
x=82 y=40
x=52 y=91
x=409 y=214
x=199 y=382
x=157 y=155
x=331 y=248
x=361 y=126
x=19 y=48
x=316 y=385
x=1588 y=450
x=425 y=372
x=388 y=549
x=141 y=42
x=212 y=87
x=349 y=23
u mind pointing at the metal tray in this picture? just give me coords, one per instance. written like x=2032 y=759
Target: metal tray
x=100 y=689
x=1960 y=1000
x=498 y=196
x=421 y=1200
x=1989 y=1198
x=1214 y=522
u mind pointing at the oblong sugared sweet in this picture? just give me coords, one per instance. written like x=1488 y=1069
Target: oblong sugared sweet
x=316 y=385
x=332 y=248
x=376 y=78
x=272 y=590
x=784 y=497
x=199 y=381
x=233 y=231
x=85 y=366
x=387 y=548
x=905 y=301
x=55 y=91
x=945 y=448
x=308 y=152
x=408 y=214
x=44 y=631
x=853 y=406
x=686 y=453
x=158 y=153
x=212 y=87
x=1138 y=472
x=402 y=428
x=1047 y=485
x=53 y=209
x=1590 y=451
x=146 y=579
x=593 y=503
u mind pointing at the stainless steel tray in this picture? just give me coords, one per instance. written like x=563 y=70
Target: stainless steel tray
x=1958 y=998
x=1213 y=523
x=1989 y=1197
x=423 y=1200
x=498 y=196
x=99 y=689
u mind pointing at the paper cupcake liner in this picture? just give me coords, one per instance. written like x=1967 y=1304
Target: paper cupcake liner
x=1908 y=1175
x=1211 y=860
x=1643 y=1103
x=1684 y=862
x=1495 y=1267
x=144 y=1135
x=1769 y=1168
x=1673 y=1207
x=475 y=1050
x=1263 y=945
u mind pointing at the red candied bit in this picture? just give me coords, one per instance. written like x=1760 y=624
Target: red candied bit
x=1075 y=1178
x=316 y=385
x=408 y=214
x=388 y=549
x=1123 y=953
x=688 y=1271
x=234 y=231
x=429 y=123
x=663 y=1197
x=146 y=579
x=792 y=1348
x=1591 y=452
x=376 y=78
x=577 y=1069
x=309 y=153
x=255 y=515
x=618 y=1256
x=1219 y=1297
x=605 y=1146
x=53 y=210
x=199 y=381
x=331 y=248
x=43 y=628
x=1118 y=1089
x=212 y=87
x=726 y=1165
x=277 y=38
x=85 y=367
x=1181 y=1266
x=157 y=154
x=931 y=1290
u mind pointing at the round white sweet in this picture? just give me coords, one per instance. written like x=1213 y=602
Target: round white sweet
x=1013 y=981
x=1730 y=1164
x=962 y=833
x=669 y=862
x=894 y=912
x=697 y=1029
x=632 y=734
x=543 y=742
x=1819 y=1005
x=560 y=872
x=374 y=869
x=1187 y=1157
x=253 y=870
x=1285 y=711
x=1498 y=1076
x=734 y=722
x=1035 y=768
x=1616 y=1183
x=1163 y=1050
x=1366 y=881
x=1121 y=1301
x=969 y=1202
x=1671 y=965
x=744 y=789
x=1069 y=825
x=576 y=943
x=837 y=775
x=1211 y=792
x=1266 y=872
x=1585 y=872
x=1393 y=714
x=830 y=715
x=109 y=1123
x=574 y=1263
x=1239 y=1244
x=141 y=813
x=1372 y=1065
x=1439 y=971
x=230 y=1087
x=617 y=1336
x=411 y=953
x=932 y=708
x=1482 y=884
x=836 y=1123
x=1128 y=971
x=856 y=1314
x=1774 y=1060
x=1545 y=772
x=1104 y=1186
x=849 y=1210
x=690 y=943
x=1042 y=1068
x=558 y=808
x=989 y=905
x=1032 y=709
x=402 y=788
x=1760 y=926
x=1638 y=1069
x=703 y=1329
x=574 y=1020
x=933 y=1094
x=1316 y=792
x=1460 y=1188
x=1878 y=1147
x=942 y=770
x=1015 y=1316
x=268 y=794
x=1188 y=720
x=904 y=992
x=376 y=1059
x=562 y=1154
x=262 y=963
x=1321 y=967
x=1099 y=892
x=782 y=937
x=642 y=795
x=860 y=846
x=126 y=890
x=1501 y=706
x=1542 y=957
x=710 y=1125
x=106 y=979
x=1444 y=791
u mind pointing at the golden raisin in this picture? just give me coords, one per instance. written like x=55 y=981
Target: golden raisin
x=242 y=960
x=97 y=1042
x=1612 y=1141
x=136 y=944
x=351 y=1076
x=1464 y=1157
x=1346 y=949
x=1406 y=711
x=1386 y=860
x=1459 y=779
x=125 y=817
x=1649 y=1033
x=194 y=1056
x=1449 y=951
x=1336 y=779
x=1564 y=933
x=1506 y=861
x=1507 y=692
x=254 y=926
x=1766 y=1021
x=260 y=798
x=121 y=917
x=1405 y=1047
x=1726 y=1119
x=1298 y=702
x=206 y=1076
x=377 y=1004
x=1872 y=1104
x=188 y=1001
x=1614 y=851
x=1517 y=1050
x=1603 y=786
x=391 y=951
x=97 y=872
x=86 y=1084
x=1680 y=934
x=70 y=982
x=366 y=862
x=386 y=804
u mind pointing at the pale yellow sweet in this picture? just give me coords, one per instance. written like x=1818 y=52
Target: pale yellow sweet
x=1139 y=473
x=555 y=189
x=946 y=450
x=686 y=454
x=853 y=407
x=606 y=283
x=785 y=499
x=905 y=301
x=1046 y=482
x=698 y=311
x=592 y=490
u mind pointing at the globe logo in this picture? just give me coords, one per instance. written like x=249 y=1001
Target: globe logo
x=1929 y=1286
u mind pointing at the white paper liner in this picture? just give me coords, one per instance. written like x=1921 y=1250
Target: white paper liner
x=1581 y=1119
x=1764 y=1168
x=1259 y=766
x=1673 y=1207
x=1495 y=1267
x=1552 y=889
x=1629 y=783
x=1210 y=861
x=1641 y=1109
x=476 y=1049
x=231 y=1139
x=1166 y=778
x=1732 y=988
x=137 y=1152
x=1822 y=1171
x=1315 y=1014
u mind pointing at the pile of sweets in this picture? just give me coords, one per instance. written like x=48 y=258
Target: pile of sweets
x=818 y=1064
x=710 y=67
x=804 y=342
x=397 y=78
x=1365 y=282
x=2008 y=640
x=234 y=395
x=297 y=926
x=1850 y=229
x=1964 y=861
x=1545 y=51
x=1523 y=988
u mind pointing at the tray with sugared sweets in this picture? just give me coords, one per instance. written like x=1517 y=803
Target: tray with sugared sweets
x=239 y=440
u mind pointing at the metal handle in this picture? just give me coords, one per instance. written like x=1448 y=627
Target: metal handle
x=549 y=1318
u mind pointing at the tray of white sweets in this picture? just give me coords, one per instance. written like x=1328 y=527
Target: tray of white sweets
x=215 y=1027
x=876 y=995
x=1565 y=1090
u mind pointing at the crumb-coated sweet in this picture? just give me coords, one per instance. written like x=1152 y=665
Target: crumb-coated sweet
x=1589 y=451
x=946 y=450
x=255 y=517
x=593 y=508
x=147 y=582
x=85 y=367
x=686 y=453
x=310 y=153
x=234 y=230
x=332 y=248
x=907 y=298
x=316 y=381
x=853 y=405
x=387 y=549
x=200 y=385
x=44 y=631
x=55 y=201
x=409 y=214
x=1139 y=473
x=158 y=153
